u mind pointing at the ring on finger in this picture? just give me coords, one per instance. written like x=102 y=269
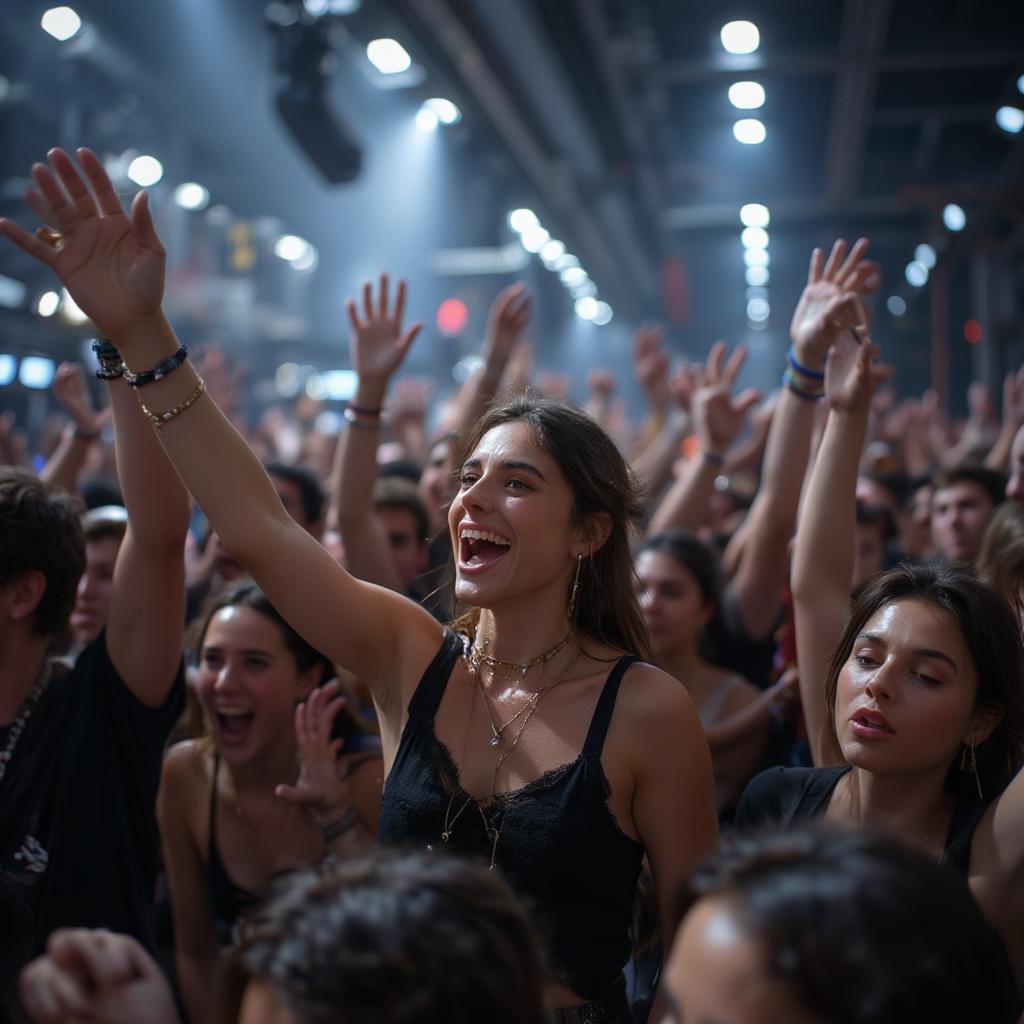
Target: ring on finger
x=54 y=239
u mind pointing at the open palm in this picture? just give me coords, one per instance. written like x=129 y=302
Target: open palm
x=378 y=345
x=112 y=264
x=851 y=374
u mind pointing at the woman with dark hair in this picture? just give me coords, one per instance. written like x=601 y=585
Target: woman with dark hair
x=680 y=594
x=230 y=817
x=913 y=698
x=536 y=740
x=827 y=926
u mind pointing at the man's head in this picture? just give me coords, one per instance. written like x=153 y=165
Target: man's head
x=403 y=516
x=104 y=530
x=302 y=495
x=42 y=555
x=963 y=501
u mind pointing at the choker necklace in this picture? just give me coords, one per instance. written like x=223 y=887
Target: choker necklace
x=478 y=656
x=17 y=727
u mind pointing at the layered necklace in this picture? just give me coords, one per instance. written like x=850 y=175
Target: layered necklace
x=17 y=727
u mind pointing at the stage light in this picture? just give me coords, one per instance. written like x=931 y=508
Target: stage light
x=339 y=385
x=534 y=238
x=754 y=215
x=756 y=257
x=48 y=304
x=452 y=317
x=954 y=217
x=70 y=310
x=757 y=276
x=756 y=293
x=581 y=289
x=36 y=372
x=426 y=120
x=8 y=368
x=290 y=247
x=552 y=251
x=1010 y=119
x=925 y=254
x=61 y=22
x=573 y=276
x=749 y=131
x=754 y=238
x=520 y=220
x=746 y=95
x=916 y=274
x=740 y=37
x=758 y=310
x=896 y=305
x=1020 y=84
x=446 y=111
x=190 y=196
x=586 y=308
x=145 y=171
x=308 y=261
x=565 y=261
x=603 y=315
x=12 y=292
x=388 y=56
x=972 y=332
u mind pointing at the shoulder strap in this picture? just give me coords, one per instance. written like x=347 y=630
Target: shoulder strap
x=211 y=838
x=605 y=706
x=430 y=689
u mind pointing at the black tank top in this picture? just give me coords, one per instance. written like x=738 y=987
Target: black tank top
x=229 y=900
x=560 y=847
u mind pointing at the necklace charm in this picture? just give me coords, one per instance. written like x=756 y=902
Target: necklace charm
x=495 y=741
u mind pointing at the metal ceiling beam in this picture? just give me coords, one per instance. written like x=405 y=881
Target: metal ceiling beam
x=865 y=23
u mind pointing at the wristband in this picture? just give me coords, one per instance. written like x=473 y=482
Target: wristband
x=809 y=393
x=361 y=419
x=342 y=825
x=803 y=370
x=111 y=364
x=365 y=410
x=161 y=370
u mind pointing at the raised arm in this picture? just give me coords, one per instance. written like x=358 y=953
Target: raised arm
x=65 y=465
x=113 y=266
x=824 y=552
x=377 y=348
x=829 y=304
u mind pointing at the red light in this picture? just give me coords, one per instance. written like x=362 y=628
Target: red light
x=972 y=332
x=452 y=316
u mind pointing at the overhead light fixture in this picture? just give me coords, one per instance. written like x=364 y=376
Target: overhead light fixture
x=604 y=314
x=63 y=23
x=754 y=238
x=740 y=37
x=8 y=368
x=758 y=310
x=551 y=252
x=925 y=254
x=916 y=274
x=565 y=261
x=12 y=292
x=896 y=305
x=1020 y=84
x=48 y=303
x=36 y=372
x=754 y=215
x=534 y=238
x=586 y=308
x=308 y=261
x=1010 y=119
x=749 y=131
x=583 y=288
x=757 y=277
x=954 y=217
x=746 y=95
x=756 y=257
x=291 y=248
x=521 y=219
x=145 y=171
x=70 y=310
x=446 y=111
x=190 y=196
x=426 y=120
x=388 y=56
x=573 y=276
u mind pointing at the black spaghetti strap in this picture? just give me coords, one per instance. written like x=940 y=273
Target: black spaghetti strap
x=425 y=701
x=211 y=840
x=605 y=706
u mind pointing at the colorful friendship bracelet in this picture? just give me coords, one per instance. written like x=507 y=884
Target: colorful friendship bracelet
x=803 y=370
x=800 y=388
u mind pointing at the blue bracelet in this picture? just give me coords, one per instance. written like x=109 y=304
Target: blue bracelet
x=161 y=370
x=809 y=394
x=803 y=370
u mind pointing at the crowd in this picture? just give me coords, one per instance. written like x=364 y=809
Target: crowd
x=716 y=716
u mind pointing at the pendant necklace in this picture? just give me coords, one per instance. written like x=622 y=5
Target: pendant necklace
x=17 y=727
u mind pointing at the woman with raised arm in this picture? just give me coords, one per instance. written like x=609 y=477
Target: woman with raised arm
x=916 y=713
x=513 y=747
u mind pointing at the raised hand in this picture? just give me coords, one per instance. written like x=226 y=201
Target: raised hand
x=410 y=399
x=718 y=417
x=510 y=313
x=111 y=263
x=378 y=345
x=1013 y=400
x=832 y=300
x=851 y=374
x=651 y=364
x=70 y=390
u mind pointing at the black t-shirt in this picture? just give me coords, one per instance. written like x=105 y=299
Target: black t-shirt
x=78 y=835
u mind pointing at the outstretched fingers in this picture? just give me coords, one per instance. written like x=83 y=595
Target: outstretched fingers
x=835 y=259
x=851 y=265
x=67 y=172
x=99 y=180
x=31 y=244
x=733 y=365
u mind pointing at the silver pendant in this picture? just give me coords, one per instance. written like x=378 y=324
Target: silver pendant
x=495 y=742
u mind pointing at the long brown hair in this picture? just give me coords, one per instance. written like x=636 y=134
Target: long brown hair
x=601 y=483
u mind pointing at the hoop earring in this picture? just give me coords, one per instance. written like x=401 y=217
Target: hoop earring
x=969 y=765
x=575 y=589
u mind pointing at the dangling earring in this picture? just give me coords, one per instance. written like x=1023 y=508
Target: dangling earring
x=969 y=764
x=575 y=589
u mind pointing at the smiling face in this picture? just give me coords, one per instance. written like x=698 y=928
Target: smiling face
x=510 y=521
x=905 y=698
x=248 y=683
x=672 y=602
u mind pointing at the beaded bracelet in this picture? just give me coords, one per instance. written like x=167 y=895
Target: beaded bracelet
x=804 y=371
x=809 y=393
x=111 y=364
x=161 y=419
x=161 y=370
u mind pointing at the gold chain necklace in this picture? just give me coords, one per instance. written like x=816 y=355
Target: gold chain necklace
x=478 y=656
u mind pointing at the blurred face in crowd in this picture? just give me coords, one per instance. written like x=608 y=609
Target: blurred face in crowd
x=436 y=486
x=409 y=551
x=1015 y=485
x=248 y=683
x=869 y=552
x=718 y=973
x=905 y=699
x=92 y=602
x=916 y=539
x=672 y=602
x=960 y=514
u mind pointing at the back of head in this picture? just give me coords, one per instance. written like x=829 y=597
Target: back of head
x=41 y=530
x=392 y=939
x=401 y=493
x=864 y=929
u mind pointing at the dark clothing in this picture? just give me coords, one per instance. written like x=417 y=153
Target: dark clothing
x=229 y=900
x=735 y=650
x=560 y=847
x=784 y=797
x=612 y=1008
x=78 y=835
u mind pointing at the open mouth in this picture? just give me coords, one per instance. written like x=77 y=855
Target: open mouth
x=870 y=723
x=234 y=725
x=481 y=548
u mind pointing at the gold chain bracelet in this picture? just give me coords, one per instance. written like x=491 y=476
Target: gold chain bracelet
x=161 y=419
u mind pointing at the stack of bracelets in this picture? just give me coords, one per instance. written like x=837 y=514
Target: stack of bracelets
x=804 y=382
x=363 y=415
x=112 y=367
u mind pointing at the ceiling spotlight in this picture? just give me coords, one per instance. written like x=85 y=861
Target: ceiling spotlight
x=754 y=215
x=552 y=251
x=446 y=111
x=754 y=238
x=916 y=274
x=925 y=254
x=388 y=56
x=36 y=372
x=756 y=257
x=757 y=277
x=145 y=171
x=572 y=276
x=70 y=310
x=1010 y=119
x=427 y=120
x=586 y=308
x=749 y=131
x=603 y=315
x=534 y=238
x=61 y=22
x=190 y=196
x=896 y=305
x=954 y=217
x=583 y=288
x=8 y=368
x=308 y=261
x=520 y=220
x=48 y=304
x=740 y=37
x=1020 y=84
x=746 y=95
x=291 y=248
x=758 y=310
